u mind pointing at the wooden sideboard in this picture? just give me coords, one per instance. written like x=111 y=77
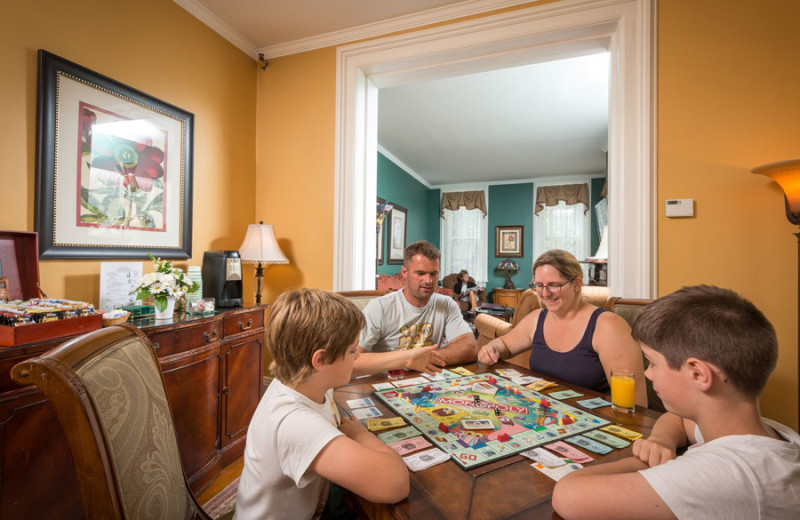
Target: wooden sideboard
x=212 y=368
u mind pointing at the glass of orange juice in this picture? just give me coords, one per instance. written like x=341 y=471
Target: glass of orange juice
x=623 y=390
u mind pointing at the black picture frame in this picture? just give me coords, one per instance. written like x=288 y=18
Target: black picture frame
x=114 y=168
x=398 y=227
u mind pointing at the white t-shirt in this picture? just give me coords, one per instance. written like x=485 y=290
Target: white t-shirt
x=737 y=476
x=394 y=324
x=286 y=433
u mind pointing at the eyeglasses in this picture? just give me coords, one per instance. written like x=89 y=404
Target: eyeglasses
x=554 y=288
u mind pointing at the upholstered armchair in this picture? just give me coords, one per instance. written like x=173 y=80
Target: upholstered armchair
x=449 y=282
x=108 y=393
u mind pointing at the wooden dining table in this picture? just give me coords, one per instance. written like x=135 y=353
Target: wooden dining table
x=508 y=488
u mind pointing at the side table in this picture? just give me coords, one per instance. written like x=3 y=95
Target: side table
x=506 y=297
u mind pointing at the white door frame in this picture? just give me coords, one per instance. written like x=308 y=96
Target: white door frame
x=540 y=33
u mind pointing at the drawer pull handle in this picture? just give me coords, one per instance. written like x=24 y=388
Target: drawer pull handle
x=249 y=324
x=209 y=338
x=156 y=346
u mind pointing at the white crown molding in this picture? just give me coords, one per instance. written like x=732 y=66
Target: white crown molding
x=403 y=166
x=400 y=23
x=218 y=26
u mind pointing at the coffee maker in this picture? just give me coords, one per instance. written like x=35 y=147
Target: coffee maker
x=222 y=277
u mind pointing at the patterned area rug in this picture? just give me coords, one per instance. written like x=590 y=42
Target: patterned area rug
x=223 y=502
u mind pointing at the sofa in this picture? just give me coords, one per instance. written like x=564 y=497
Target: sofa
x=449 y=282
x=490 y=327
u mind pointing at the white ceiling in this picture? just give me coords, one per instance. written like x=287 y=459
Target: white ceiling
x=539 y=120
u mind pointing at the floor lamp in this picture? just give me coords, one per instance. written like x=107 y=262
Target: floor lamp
x=787 y=174
x=261 y=247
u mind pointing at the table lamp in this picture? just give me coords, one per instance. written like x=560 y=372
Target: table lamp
x=787 y=175
x=510 y=267
x=260 y=247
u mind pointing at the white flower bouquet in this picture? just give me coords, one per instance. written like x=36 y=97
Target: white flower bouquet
x=164 y=282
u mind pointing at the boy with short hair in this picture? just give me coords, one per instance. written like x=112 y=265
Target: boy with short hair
x=297 y=442
x=711 y=352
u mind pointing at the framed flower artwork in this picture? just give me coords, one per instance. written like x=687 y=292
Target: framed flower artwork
x=508 y=241
x=113 y=168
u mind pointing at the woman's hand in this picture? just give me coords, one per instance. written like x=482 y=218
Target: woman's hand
x=490 y=353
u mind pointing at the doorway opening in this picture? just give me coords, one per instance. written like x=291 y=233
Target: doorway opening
x=539 y=33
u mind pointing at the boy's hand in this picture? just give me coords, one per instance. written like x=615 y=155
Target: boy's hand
x=425 y=359
x=651 y=452
x=351 y=427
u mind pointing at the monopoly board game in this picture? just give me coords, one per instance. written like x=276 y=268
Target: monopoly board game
x=484 y=417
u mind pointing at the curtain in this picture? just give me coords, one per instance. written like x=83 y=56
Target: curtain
x=561 y=222
x=467 y=199
x=569 y=193
x=464 y=234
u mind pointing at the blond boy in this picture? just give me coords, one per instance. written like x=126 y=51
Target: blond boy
x=296 y=442
x=711 y=353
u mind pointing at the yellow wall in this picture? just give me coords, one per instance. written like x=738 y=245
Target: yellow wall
x=727 y=101
x=159 y=48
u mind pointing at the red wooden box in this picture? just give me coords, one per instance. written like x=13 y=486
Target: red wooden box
x=19 y=254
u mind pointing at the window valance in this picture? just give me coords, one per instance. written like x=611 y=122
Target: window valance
x=569 y=193
x=467 y=199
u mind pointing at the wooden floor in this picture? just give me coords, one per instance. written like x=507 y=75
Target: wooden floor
x=226 y=476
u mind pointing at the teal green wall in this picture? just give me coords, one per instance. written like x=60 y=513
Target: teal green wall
x=398 y=187
x=511 y=205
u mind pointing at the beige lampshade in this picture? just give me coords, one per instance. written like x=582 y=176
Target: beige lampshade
x=260 y=246
x=787 y=174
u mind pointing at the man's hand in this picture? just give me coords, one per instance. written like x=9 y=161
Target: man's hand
x=425 y=359
x=652 y=452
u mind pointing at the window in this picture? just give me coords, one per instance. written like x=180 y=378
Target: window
x=464 y=242
x=562 y=226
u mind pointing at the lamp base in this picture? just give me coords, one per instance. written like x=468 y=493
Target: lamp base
x=509 y=284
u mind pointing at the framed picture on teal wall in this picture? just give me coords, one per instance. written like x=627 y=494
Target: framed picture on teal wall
x=508 y=241
x=398 y=224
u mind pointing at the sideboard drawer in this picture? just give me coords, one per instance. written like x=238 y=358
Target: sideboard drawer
x=185 y=339
x=243 y=323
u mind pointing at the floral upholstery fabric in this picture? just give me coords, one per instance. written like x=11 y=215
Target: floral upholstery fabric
x=125 y=386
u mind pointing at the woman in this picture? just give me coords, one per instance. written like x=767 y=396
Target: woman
x=570 y=339
x=467 y=291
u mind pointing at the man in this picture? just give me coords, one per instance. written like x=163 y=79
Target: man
x=406 y=328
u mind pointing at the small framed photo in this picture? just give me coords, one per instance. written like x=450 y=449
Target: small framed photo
x=379 y=256
x=508 y=241
x=398 y=224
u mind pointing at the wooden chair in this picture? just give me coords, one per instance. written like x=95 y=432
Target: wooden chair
x=108 y=392
x=629 y=309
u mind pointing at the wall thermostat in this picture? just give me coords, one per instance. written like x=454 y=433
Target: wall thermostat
x=680 y=207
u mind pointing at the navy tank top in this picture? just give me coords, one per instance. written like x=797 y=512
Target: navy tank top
x=580 y=366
